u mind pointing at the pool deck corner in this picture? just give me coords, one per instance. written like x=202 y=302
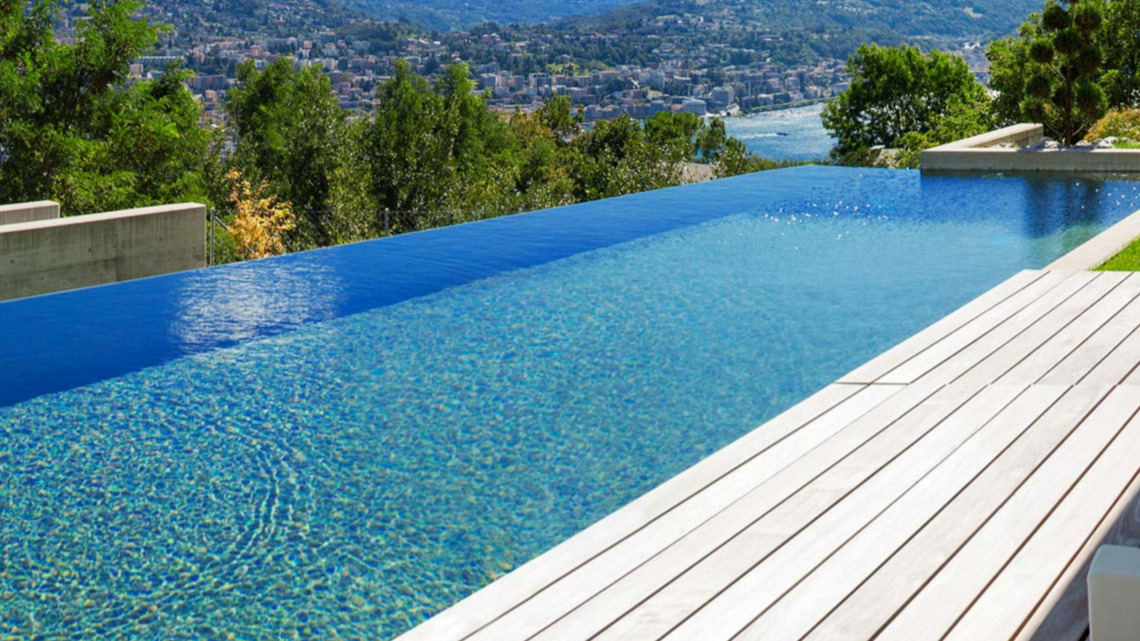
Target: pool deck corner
x=955 y=487
x=1101 y=248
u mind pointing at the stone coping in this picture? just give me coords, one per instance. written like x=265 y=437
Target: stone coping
x=1101 y=248
x=27 y=212
x=87 y=219
x=982 y=153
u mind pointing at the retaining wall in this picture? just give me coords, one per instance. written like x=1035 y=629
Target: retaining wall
x=28 y=212
x=981 y=153
x=53 y=255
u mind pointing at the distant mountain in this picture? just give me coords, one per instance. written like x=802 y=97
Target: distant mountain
x=448 y=15
x=907 y=19
x=236 y=18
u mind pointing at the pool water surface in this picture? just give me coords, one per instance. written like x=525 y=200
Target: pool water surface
x=349 y=441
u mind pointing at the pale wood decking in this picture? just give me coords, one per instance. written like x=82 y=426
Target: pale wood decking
x=953 y=488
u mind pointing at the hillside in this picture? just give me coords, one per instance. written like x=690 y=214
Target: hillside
x=445 y=15
x=909 y=19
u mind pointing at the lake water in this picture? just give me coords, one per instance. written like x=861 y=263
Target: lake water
x=786 y=134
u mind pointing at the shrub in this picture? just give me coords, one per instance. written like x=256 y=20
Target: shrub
x=1124 y=123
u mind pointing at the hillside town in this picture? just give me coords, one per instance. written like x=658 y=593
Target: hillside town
x=693 y=82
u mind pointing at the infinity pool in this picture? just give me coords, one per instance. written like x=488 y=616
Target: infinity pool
x=350 y=440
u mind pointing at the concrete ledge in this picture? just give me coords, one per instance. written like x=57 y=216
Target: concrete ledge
x=1098 y=250
x=28 y=212
x=981 y=153
x=1114 y=594
x=54 y=255
x=1021 y=135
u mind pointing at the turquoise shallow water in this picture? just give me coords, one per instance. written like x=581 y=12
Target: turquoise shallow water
x=356 y=472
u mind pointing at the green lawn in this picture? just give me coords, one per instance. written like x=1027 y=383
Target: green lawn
x=1126 y=261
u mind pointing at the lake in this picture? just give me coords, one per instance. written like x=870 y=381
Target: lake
x=786 y=134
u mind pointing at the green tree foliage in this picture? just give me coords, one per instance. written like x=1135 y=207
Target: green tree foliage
x=894 y=92
x=734 y=159
x=1066 y=66
x=408 y=147
x=960 y=120
x=1009 y=58
x=436 y=154
x=617 y=158
x=289 y=127
x=73 y=130
x=543 y=177
x=1062 y=89
x=1122 y=55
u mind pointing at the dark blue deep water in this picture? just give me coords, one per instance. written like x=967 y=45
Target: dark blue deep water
x=352 y=439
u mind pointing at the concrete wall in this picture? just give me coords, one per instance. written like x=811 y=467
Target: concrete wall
x=28 y=212
x=981 y=154
x=54 y=255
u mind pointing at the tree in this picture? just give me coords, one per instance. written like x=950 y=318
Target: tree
x=1062 y=89
x=712 y=139
x=617 y=158
x=960 y=120
x=1122 y=56
x=407 y=151
x=73 y=129
x=260 y=221
x=675 y=132
x=895 y=91
x=1009 y=58
x=289 y=128
x=543 y=157
x=735 y=159
x=556 y=114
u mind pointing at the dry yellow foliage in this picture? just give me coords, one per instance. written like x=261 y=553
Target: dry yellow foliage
x=260 y=221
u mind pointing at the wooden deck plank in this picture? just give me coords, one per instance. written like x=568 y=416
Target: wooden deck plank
x=996 y=459
x=1003 y=609
x=488 y=604
x=1119 y=365
x=870 y=607
x=1086 y=358
x=917 y=408
x=721 y=592
x=960 y=351
x=1037 y=339
x=937 y=607
x=876 y=368
x=538 y=611
x=1074 y=335
x=1063 y=615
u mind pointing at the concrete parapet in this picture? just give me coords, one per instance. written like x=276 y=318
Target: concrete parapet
x=982 y=153
x=1021 y=135
x=28 y=212
x=53 y=255
x=1114 y=594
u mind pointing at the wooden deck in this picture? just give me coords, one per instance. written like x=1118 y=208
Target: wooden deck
x=955 y=487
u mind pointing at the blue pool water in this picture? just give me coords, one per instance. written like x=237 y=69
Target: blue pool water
x=350 y=440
